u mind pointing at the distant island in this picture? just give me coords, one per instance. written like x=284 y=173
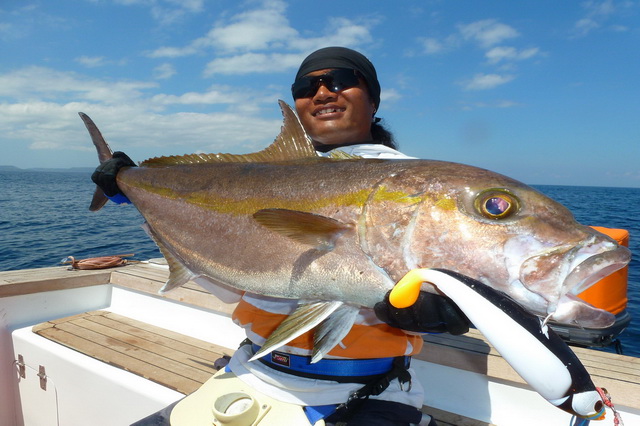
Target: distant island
x=42 y=169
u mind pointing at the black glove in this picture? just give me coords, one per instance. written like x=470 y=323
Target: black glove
x=431 y=313
x=105 y=174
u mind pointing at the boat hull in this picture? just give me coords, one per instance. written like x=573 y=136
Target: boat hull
x=452 y=369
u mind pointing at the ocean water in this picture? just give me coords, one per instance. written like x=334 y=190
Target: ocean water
x=44 y=217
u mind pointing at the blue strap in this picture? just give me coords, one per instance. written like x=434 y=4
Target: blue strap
x=319 y=412
x=327 y=367
x=119 y=198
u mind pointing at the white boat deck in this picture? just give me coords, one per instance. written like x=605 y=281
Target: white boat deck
x=467 y=382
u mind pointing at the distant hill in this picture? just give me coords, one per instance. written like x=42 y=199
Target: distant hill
x=42 y=169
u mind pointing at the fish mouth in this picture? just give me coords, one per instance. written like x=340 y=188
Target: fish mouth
x=558 y=275
x=594 y=268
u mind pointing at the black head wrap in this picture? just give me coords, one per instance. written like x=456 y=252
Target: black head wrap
x=341 y=57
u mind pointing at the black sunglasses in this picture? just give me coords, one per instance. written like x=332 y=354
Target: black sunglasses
x=334 y=80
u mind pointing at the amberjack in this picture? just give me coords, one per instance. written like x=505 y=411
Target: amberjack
x=338 y=233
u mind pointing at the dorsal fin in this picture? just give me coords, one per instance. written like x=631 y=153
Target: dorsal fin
x=292 y=143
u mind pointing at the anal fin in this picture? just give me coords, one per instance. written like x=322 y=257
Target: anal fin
x=178 y=273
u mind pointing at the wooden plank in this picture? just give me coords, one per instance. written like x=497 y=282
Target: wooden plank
x=159 y=354
x=600 y=364
x=130 y=348
x=159 y=343
x=168 y=333
x=30 y=281
x=611 y=365
x=151 y=352
x=174 y=381
x=619 y=374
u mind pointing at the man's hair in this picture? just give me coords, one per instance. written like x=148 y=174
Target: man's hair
x=382 y=135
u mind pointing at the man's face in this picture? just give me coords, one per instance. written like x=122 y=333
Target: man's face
x=334 y=118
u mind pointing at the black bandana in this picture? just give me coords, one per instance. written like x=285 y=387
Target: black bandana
x=341 y=57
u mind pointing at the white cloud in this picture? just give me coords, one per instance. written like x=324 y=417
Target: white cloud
x=584 y=26
x=490 y=36
x=506 y=104
x=488 y=32
x=599 y=8
x=487 y=81
x=172 y=52
x=220 y=95
x=43 y=116
x=253 y=63
x=39 y=105
x=44 y=83
x=91 y=61
x=164 y=71
x=504 y=53
x=390 y=95
x=258 y=29
x=46 y=145
x=432 y=45
x=620 y=28
x=485 y=33
x=241 y=42
x=338 y=32
x=495 y=104
x=167 y=12
x=598 y=14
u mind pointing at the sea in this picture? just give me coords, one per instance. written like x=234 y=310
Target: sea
x=45 y=217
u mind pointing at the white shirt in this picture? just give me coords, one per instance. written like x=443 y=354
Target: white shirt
x=370 y=150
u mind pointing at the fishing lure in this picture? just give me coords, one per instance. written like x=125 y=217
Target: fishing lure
x=533 y=349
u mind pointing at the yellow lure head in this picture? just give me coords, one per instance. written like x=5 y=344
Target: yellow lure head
x=406 y=291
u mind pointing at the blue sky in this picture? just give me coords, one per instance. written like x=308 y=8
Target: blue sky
x=544 y=91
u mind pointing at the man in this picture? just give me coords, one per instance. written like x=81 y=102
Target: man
x=337 y=95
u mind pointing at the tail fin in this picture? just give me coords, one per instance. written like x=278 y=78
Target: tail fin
x=104 y=154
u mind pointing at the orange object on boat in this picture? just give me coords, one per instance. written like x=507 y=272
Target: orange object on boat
x=97 y=262
x=610 y=293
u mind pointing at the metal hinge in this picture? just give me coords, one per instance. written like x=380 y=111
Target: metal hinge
x=43 y=378
x=22 y=371
x=22 y=368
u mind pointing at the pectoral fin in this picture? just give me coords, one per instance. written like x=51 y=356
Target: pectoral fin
x=303 y=319
x=332 y=330
x=318 y=231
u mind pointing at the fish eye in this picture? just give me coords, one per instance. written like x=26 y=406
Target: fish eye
x=496 y=204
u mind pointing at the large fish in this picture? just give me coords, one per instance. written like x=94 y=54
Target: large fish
x=338 y=233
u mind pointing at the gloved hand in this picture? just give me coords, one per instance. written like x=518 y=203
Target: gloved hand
x=431 y=313
x=105 y=174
